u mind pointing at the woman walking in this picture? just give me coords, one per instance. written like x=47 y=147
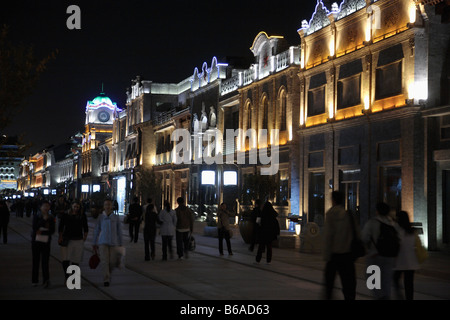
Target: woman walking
x=268 y=231
x=73 y=229
x=406 y=262
x=108 y=239
x=41 y=236
x=168 y=220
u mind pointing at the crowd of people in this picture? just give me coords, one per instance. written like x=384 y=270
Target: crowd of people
x=389 y=242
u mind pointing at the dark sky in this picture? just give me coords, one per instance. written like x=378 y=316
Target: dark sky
x=162 y=41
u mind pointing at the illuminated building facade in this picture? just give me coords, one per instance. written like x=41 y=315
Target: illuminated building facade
x=10 y=160
x=268 y=94
x=370 y=71
x=100 y=113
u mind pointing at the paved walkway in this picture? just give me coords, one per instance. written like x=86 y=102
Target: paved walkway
x=204 y=276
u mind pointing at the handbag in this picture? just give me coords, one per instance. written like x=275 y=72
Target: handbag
x=421 y=251
x=94 y=261
x=357 y=247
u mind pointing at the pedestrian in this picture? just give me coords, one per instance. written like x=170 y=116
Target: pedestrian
x=150 y=223
x=134 y=219
x=168 y=220
x=20 y=206
x=4 y=220
x=268 y=231
x=223 y=228
x=379 y=236
x=256 y=212
x=116 y=206
x=184 y=228
x=338 y=236
x=108 y=240
x=406 y=262
x=28 y=207
x=73 y=230
x=42 y=230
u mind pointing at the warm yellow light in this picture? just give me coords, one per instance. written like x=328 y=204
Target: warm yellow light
x=369 y=29
x=302 y=119
x=331 y=111
x=366 y=103
x=297 y=228
x=412 y=13
x=290 y=133
x=332 y=51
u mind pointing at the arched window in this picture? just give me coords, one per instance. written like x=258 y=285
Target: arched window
x=265 y=115
x=283 y=109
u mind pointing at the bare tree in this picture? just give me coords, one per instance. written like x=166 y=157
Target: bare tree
x=19 y=73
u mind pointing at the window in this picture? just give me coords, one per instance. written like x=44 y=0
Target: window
x=388 y=80
x=316 y=94
x=390 y=186
x=389 y=72
x=445 y=127
x=349 y=84
x=316 y=198
x=316 y=101
x=349 y=92
x=265 y=115
x=282 y=106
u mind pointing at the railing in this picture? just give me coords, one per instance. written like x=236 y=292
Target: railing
x=243 y=78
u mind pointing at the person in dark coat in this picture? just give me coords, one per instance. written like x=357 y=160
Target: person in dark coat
x=268 y=231
x=43 y=228
x=256 y=212
x=150 y=221
x=4 y=220
x=134 y=219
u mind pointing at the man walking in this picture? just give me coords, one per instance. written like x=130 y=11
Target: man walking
x=184 y=227
x=134 y=219
x=338 y=235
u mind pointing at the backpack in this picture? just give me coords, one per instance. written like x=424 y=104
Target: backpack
x=388 y=242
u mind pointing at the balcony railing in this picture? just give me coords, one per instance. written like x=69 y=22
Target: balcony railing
x=279 y=62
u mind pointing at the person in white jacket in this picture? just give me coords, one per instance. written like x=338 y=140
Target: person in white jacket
x=168 y=219
x=406 y=262
x=108 y=239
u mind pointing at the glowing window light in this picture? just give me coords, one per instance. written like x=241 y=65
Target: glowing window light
x=229 y=178
x=208 y=177
x=96 y=188
x=85 y=188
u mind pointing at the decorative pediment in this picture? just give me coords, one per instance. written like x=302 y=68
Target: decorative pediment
x=261 y=41
x=207 y=75
x=348 y=7
x=320 y=18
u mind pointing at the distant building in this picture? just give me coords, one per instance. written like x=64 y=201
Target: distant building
x=11 y=155
x=100 y=114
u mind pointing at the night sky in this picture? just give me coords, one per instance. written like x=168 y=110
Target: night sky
x=162 y=41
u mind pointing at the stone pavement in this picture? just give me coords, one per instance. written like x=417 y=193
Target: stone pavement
x=204 y=276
